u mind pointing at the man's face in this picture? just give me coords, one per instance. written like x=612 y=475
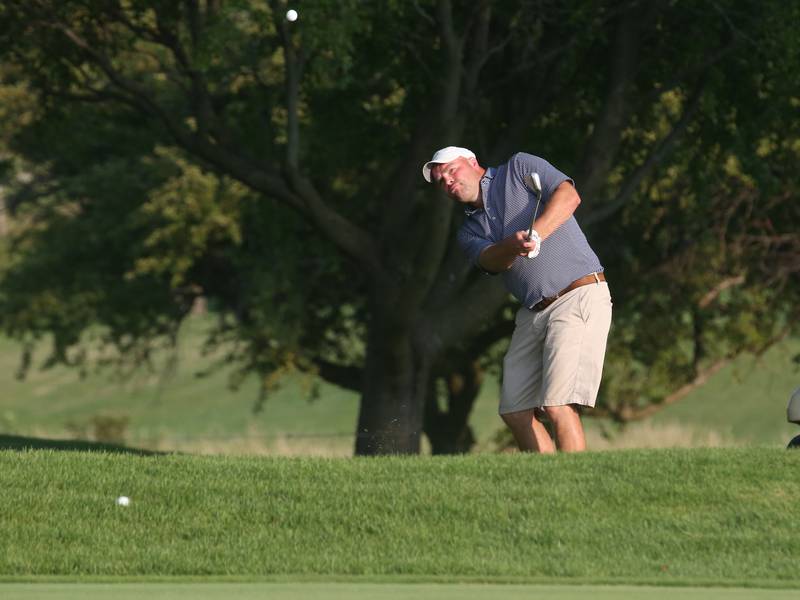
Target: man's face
x=460 y=179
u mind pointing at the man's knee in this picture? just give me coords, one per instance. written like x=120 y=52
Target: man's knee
x=522 y=417
x=555 y=413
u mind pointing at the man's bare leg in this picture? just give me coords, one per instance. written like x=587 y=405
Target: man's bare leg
x=530 y=434
x=568 y=428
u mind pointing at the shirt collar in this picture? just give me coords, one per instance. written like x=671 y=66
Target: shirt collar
x=485 y=181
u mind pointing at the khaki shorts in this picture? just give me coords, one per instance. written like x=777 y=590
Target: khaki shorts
x=556 y=355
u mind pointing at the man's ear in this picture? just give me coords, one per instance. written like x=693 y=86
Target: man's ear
x=473 y=161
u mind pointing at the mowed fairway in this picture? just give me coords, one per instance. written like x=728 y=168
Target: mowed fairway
x=718 y=518
x=369 y=591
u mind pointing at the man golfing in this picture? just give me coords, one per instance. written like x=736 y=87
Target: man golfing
x=519 y=222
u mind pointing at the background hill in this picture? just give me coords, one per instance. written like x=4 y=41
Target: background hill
x=744 y=404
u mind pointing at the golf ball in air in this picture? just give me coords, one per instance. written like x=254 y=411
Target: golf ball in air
x=123 y=501
x=291 y=15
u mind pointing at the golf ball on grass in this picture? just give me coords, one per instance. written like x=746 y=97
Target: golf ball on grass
x=291 y=15
x=123 y=501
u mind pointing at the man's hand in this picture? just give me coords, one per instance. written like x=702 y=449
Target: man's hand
x=520 y=242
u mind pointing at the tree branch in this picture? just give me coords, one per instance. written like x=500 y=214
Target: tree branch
x=479 y=49
x=294 y=63
x=659 y=152
x=349 y=378
x=602 y=148
x=714 y=292
x=460 y=81
x=628 y=413
x=453 y=47
x=422 y=13
x=352 y=240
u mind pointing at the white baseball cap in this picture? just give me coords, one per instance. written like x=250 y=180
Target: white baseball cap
x=445 y=155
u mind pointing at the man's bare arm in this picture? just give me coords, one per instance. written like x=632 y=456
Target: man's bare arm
x=561 y=207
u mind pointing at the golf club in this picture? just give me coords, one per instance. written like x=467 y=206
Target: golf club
x=536 y=187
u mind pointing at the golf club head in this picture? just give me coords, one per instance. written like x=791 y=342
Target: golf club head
x=794 y=444
x=534 y=182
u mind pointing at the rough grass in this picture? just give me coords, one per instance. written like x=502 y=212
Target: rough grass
x=710 y=517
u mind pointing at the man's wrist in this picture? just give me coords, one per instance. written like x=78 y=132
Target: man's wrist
x=486 y=260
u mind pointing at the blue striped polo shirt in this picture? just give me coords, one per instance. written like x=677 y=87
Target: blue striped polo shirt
x=508 y=206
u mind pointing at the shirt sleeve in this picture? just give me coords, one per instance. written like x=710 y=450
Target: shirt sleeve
x=472 y=243
x=524 y=164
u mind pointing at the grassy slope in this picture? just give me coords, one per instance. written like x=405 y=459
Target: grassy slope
x=179 y=408
x=747 y=400
x=744 y=404
x=724 y=517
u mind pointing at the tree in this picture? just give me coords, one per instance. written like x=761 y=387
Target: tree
x=273 y=167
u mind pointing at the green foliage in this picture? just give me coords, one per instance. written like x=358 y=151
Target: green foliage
x=144 y=231
x=67 y=247
x=190 y=213
x=178 y=150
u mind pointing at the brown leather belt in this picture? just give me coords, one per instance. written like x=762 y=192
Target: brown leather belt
x=591 y=278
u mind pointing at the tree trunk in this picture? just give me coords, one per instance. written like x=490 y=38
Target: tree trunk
x=390 y=414
x=448 y=430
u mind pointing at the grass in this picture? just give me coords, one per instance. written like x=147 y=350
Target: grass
x=356 y=591
x=678 y=517
x=746 y=401
x=742 y=405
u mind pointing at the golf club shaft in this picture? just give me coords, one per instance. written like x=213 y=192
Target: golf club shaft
x=531 y=254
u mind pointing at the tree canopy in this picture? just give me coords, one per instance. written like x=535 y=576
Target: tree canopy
x=173 y=150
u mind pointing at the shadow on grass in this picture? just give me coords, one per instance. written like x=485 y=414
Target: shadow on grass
x=14 y=442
